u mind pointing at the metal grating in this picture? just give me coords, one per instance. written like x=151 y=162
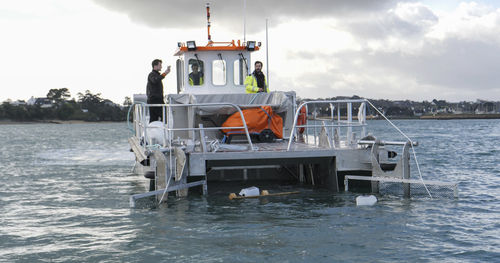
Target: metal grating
x=395 y=186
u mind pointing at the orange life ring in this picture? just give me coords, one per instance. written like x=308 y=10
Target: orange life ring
x=302 y=119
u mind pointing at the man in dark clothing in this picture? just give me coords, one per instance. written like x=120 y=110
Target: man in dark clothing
x=261 y=80
x=154 y=90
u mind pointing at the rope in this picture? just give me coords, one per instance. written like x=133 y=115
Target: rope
x=411 y=143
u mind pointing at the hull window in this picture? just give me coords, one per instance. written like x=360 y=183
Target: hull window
x=240 y=72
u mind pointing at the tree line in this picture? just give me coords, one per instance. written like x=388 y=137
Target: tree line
x=86 y=107
x=409 y=109
x=92 y=107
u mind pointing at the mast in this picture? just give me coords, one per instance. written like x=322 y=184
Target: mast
x=208 y=23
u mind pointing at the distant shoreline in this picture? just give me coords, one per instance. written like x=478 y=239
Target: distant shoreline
x=460 y=116
x=8 y=122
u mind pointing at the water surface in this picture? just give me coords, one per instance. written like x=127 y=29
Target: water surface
x=65 y=189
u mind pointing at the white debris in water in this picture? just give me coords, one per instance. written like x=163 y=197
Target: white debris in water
x=366 y=200
x=250 y=191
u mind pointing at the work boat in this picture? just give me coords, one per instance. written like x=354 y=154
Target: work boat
x=212 y=131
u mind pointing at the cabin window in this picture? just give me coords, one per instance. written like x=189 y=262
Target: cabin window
x=240 y=72
x=180 y=75
x=219 y=72
x=196 y=72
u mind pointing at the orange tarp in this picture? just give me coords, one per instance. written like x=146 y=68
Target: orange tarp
x=257 y=119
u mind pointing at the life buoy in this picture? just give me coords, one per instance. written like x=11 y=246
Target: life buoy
x=302 y=119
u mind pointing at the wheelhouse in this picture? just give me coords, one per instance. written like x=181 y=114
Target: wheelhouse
x=217 y=68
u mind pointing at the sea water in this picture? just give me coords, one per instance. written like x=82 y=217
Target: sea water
x=65 y=188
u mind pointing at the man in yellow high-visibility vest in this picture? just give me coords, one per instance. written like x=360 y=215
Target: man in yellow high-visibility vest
x=256 y=82
x=195 y=77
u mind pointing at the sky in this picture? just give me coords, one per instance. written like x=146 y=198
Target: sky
x=384 y=49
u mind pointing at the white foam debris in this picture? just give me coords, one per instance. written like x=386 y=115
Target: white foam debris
x=250 y=191
x=366 y=200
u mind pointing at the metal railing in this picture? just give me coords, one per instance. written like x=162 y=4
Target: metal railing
x=350 y=124
x=141 y=122
x=340 y=121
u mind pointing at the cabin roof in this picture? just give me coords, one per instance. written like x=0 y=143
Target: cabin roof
x=215 y=46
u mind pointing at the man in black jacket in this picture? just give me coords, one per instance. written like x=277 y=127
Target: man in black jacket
x=154 y=90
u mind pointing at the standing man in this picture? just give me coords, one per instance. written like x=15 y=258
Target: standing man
x=154 y=90
x=256 y=82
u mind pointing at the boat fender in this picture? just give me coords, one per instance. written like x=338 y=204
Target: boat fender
x=155 y=132
x=150 y=175
x=366 y=200
x=302 y=119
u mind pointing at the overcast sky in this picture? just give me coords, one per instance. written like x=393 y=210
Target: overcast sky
x=384 y=49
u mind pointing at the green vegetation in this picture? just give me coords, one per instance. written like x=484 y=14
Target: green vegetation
x=92 y=107
x=59 y=106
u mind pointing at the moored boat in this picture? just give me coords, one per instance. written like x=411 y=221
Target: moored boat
x=213 y=131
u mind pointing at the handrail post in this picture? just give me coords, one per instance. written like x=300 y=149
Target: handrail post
x=244 y=125
x=349 y=123
x=364 y=120
x=306 y=129
x=292 y=132
x=170 y=124
x=164 y=120
x=338 y=119
x=332 y=114
x=144 y=124
x=406 y=168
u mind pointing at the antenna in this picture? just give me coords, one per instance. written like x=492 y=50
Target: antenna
x=267 y=54
x=244 y=21
x=208 y=23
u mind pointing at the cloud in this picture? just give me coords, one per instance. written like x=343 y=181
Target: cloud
x=411 y=53
x=191 y=13
x=375 y=49
x=404 y=20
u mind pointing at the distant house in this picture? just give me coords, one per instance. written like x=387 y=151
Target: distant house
x=109 y=103
x=18 y=102
x=42 y=102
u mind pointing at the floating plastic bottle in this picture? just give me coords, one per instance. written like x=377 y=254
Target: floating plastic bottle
x=250 y=191
x=366 y=200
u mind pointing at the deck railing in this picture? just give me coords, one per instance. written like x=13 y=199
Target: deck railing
x=141 y=122
x=334 y=123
